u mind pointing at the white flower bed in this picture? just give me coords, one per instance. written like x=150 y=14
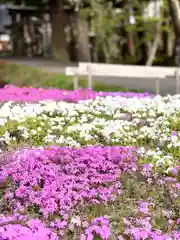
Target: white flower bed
x=146 y=123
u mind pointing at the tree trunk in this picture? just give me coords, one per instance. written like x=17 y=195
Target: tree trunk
x=124 y=41
x=174 y=7
x=170 y=44
x=141 y=35
x=131 y=44
x=58 y=20
x=155 y=45
x=82 y=39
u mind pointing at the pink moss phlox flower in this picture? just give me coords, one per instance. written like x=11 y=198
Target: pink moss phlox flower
x=53 y=180
x=99 y=227
x=35 y=230
x=12 y=93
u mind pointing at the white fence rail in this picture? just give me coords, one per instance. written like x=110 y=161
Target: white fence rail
x=126 y=71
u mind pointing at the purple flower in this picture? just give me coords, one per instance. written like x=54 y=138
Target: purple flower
x=174 y=133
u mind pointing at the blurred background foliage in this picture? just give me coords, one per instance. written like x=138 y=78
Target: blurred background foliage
x=112 y=31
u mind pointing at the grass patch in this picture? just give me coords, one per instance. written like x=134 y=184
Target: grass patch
x=21 y=75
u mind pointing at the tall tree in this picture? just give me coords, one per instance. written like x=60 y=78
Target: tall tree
x=174 y=7
x=82 y=37
x=59 y=19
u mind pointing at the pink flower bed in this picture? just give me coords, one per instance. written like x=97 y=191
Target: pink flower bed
x=56 y=180
x=44 y=189
x=12 y=93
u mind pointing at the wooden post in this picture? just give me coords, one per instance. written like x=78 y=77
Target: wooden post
x=75 y=82
x=89 y=77
x=177 y=80
x=157 y=86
